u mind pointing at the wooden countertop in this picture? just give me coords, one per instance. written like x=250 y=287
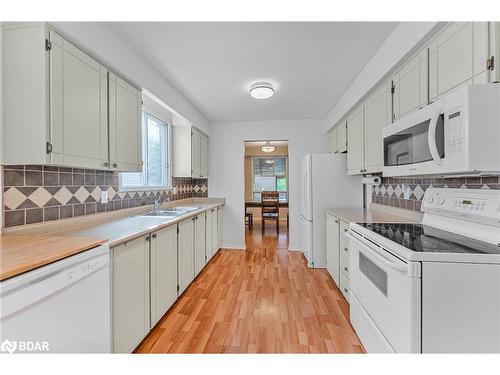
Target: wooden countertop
x=375 y=214
x=21 y=253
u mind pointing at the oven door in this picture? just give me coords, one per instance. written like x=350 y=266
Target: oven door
x=415 y=144
x=387 y=291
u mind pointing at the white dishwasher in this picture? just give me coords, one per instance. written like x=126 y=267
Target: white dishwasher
x=64 y=307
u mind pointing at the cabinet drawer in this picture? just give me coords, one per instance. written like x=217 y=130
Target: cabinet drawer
x=344 y=286
x=344 y=262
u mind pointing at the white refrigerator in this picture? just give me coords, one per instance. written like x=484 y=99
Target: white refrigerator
x=324 y=184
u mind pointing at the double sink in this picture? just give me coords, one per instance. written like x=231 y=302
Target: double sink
x=171 y=212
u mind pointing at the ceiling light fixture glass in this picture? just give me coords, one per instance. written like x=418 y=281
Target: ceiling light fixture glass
x=267 y=147
x=261 y=90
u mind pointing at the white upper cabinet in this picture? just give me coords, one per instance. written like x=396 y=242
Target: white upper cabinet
x=77 y=106
x=408 y=93
x=355 y=142
x=332 y=137
x=56 y=110
x=454 y=56
x=190 y=152
x=375 y=120
x=125 y=107
x=342 y=137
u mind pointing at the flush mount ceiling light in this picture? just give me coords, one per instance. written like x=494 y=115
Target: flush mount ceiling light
x=261 y=90
x=267 y=147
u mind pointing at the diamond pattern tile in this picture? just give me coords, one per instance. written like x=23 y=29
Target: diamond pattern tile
x=40 y=196
x=13 y=198
x=418 y=192
x=81 y=194
x=63 y=195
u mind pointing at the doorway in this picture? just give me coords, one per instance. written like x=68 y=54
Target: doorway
x=266 y=178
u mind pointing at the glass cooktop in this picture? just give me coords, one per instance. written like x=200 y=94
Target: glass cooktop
x=418 y=237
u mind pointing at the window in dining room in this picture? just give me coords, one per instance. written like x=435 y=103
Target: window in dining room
x=270 y=174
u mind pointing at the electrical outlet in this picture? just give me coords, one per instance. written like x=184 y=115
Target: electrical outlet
x=104 y=196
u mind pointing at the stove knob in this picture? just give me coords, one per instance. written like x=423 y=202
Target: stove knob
x=441 y=201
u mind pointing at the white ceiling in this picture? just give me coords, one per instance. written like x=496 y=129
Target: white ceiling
x=213 y=64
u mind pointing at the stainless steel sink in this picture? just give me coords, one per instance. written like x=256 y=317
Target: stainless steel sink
x=188 y=208
x=165 y=214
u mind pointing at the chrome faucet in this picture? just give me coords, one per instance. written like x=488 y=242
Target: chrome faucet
x=157 y=204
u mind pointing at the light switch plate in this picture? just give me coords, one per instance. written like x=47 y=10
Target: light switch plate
x=104 y=196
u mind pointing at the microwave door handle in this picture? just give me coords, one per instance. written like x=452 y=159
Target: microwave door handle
x=431 y=137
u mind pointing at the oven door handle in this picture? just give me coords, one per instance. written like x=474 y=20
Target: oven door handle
x=380 y=257
x=431 y=136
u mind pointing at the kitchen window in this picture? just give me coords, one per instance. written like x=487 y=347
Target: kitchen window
x=270 y=174
x=156 y=155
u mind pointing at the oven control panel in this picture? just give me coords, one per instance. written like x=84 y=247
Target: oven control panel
x=478 y=205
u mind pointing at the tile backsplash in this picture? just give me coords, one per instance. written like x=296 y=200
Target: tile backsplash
x=36 y=193
x=392 y=190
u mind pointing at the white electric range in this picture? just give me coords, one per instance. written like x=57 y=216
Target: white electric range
x=432 y=287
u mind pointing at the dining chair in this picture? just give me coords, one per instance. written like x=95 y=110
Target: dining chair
x=270 y=208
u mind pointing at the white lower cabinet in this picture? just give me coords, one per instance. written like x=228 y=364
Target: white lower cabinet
x=337 y=252
x=332 y=248
x=163 y=272
x=151 y=272
x=211 y=238
x=200 y=256
x=185 y=254
x=130 y=294
x=220 y=232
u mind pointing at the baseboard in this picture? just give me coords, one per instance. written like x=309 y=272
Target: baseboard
x=294 y=249
x=233 y=247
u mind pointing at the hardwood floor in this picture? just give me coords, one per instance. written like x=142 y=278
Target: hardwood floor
x=262 y=300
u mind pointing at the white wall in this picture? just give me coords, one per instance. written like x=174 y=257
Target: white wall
x=227 y=175
x=106 y=43
x=1 y=125
x=403 y=41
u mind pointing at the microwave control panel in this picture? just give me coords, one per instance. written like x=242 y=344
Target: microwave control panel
x=454 y=130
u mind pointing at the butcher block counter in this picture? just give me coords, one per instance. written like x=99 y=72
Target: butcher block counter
x=22 y=253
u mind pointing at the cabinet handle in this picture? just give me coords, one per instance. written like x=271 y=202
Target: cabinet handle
x=345 y=230
x=345 y=290
x=148 y=238
x=336 y=221
x=154 y=235
x=115 y=165
x=346 y=249
x=106 y=164
x=345 y=269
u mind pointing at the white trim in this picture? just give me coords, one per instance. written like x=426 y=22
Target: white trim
x=233 y=247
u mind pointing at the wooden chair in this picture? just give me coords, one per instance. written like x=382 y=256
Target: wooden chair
x=270 y=207
x=249 y=219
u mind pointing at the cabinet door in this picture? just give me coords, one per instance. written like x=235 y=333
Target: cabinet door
x=209 y=234
x=355 y=156
x=454 y=56
x=195 y=154
x=203 y=156
x=125 y=126
x=333 y=141
x=375 y=120
x=332 y=248
x=130 y=294
x=215 y=231
x=186 y=254
x=200 y=256
x=77 y=106
x=342 y=137
x=220 y=232
x=409 y=86
x=163 y=272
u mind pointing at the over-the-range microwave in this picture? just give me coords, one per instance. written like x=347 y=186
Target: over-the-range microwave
x=457 y=134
